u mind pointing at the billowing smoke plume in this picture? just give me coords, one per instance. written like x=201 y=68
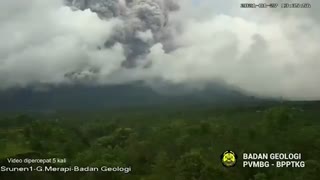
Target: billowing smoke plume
x=144 y=23
x=267 y=52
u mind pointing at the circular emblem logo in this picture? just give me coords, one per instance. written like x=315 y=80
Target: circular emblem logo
x=229 y=158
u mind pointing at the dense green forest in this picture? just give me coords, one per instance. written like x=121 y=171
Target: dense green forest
x=163 y=144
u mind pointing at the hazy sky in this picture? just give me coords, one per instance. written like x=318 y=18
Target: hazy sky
x=268 y=52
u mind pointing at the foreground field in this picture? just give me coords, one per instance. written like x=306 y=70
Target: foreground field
x=162 y=144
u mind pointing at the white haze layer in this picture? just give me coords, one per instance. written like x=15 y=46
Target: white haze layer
x=265 y=52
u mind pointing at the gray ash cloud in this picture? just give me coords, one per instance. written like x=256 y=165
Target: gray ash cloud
x=264 y=52
x=144 y=24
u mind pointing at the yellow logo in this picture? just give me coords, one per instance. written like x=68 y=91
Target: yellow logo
x=229 y=158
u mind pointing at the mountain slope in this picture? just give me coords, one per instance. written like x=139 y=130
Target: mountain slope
x=98 y=97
